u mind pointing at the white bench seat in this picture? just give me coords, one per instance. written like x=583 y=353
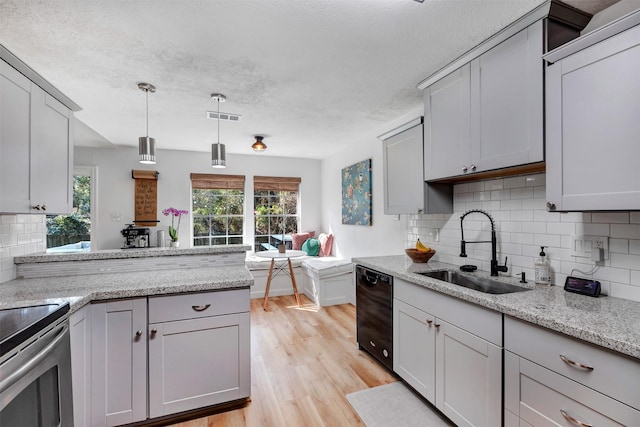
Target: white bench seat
x=328 y=280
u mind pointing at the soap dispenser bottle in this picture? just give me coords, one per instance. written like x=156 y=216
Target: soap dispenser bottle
x=543 y=274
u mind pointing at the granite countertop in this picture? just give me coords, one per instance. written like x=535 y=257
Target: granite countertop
x=128 y=253
x=609 y=322
x=82 y=289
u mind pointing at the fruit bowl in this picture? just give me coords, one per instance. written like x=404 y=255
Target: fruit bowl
x=418 y=256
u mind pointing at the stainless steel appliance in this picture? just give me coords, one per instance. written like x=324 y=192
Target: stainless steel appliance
x=135 y=237
x=35 y=367
x=374 y=314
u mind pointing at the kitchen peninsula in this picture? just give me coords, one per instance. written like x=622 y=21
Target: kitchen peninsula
x=154 y=332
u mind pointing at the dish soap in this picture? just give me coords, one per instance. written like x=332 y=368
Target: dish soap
x=543 y=274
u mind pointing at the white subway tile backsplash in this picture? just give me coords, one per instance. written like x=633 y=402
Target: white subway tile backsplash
x=610 y=217
x=629 y=231
x=19 y=235
x=523 y=224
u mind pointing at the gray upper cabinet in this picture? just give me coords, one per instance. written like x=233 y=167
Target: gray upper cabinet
x=507 y=104
x=402 y=157
x=488 y=114
x=447 y=121
x=593 y=126
x=405 y=191
x=36 y=143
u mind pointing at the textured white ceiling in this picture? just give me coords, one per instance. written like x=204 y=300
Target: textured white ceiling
x=311 y=75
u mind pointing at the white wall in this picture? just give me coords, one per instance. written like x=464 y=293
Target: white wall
x=518 y=206
x=115 y=189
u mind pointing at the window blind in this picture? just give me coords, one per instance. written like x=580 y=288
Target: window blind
x=275 y=183
x=211 y=181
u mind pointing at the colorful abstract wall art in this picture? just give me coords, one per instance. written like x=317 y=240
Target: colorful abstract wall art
x=356 y=194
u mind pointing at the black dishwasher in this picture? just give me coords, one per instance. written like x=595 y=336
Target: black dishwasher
x=374 y=314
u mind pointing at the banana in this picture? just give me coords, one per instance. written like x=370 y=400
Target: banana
x=422 y=248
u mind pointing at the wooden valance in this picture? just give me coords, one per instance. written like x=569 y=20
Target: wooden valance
x=146 y=198
x=276 y=183
x=214 y=181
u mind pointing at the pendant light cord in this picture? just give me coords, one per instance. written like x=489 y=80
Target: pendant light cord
x=147 y=92
x=218 y=123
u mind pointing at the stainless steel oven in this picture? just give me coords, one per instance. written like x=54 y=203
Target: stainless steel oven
x=35 y=367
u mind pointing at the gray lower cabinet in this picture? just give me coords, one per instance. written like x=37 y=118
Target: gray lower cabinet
x=448 y=350
x=592 y=124
x=118 y=362
x=201 y=361
x=140 y=358
x=554 y=380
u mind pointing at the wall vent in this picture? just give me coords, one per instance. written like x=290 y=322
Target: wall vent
x=223 y=116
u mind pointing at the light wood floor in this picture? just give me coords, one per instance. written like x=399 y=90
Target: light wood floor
x=304 y=361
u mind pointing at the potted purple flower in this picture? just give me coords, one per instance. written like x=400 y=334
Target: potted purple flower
x=173 y=229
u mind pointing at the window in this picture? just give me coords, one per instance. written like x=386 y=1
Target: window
x=218 y=209
x=72 y=233
x=276 y=211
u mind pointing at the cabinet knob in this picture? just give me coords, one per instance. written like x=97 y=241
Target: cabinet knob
x=464 y=169
x=154 y=331
x=138 y=334
x=551 y=206
x=39 y=208
x=473 y=168
x=200 y=307
x=429 y=322
x=437 y=325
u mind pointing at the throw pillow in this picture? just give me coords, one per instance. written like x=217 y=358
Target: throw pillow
x=297 y=239
x=311 y=246
x=326 y=243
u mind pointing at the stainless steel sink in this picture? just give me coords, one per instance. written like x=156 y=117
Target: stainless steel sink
x=482 y=284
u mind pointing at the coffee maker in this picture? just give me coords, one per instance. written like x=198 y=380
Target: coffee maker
x=135 y=237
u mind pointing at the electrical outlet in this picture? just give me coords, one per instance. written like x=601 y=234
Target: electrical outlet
x=583 y=246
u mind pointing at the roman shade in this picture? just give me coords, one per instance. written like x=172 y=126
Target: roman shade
x=274 y=183
x=214 y=181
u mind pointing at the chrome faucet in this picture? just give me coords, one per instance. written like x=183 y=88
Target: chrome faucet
x=495 y=268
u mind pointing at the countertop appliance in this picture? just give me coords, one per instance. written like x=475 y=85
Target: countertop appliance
x=135 y=237
x=374 y=314
x=35 y=366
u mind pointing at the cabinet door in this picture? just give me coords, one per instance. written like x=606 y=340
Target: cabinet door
x=447 y=125
x=507 y=103
x=52 y=155
x=119 y=362
x=593 y=131
x=198 y=362
x=545 y=398
x=403 y=180
x=414 y=348
x=468 y=377
x=80 y=335
x=15 y=137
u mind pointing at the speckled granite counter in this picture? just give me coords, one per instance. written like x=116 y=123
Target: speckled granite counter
x=129 y=253
x=609 y=322
x=82 y=289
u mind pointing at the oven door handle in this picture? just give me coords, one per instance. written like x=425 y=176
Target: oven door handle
x=42 y=354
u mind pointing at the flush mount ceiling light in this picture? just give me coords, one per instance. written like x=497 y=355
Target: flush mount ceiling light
x=218 y=155
x=147 y=145
x=259 y=145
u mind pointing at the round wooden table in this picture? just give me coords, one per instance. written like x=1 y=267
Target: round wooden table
x=280 y=267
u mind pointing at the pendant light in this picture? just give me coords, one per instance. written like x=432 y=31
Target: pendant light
x=259 y=145
x=218 y=155
x=147 y=145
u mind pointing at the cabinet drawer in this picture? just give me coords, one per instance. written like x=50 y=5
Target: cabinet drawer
x=613 y=374
x=549 y=399
x=482 y=322
x=202 y=304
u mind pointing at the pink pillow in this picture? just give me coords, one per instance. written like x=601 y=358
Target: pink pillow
x=326 y=242
x=297 y=239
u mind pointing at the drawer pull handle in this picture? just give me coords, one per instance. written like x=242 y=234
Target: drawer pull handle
x=574 y=421
x=200 y=307
x=429 y=322
x=577 y=365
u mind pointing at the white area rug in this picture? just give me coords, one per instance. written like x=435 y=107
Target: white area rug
x=393 y=405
